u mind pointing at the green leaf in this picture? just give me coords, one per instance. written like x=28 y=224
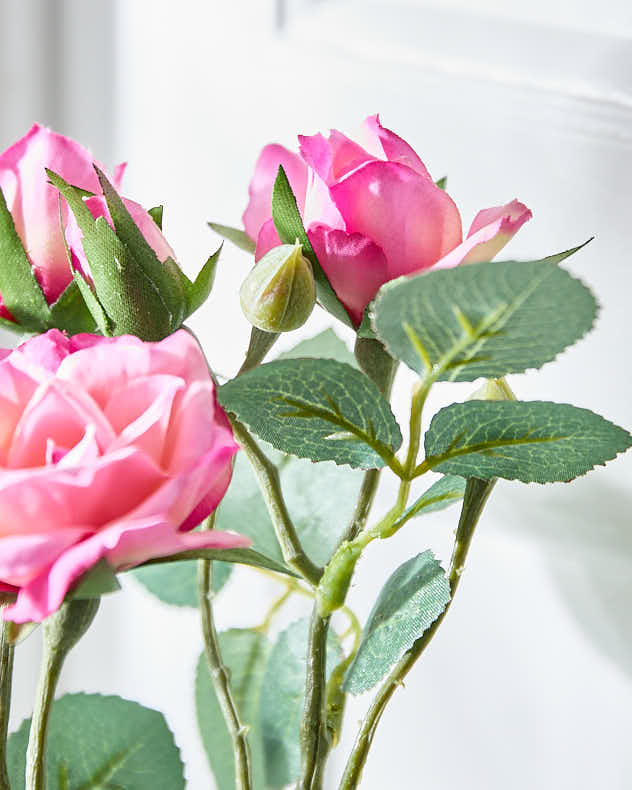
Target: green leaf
x=531 y=441
x=238 y=237
x=445 y=492
x=94 y=306
x=562 y=256
x=97 y=742
x=245 y=653
x=365 y=329
x=20 y=290
x=70 y=312
x=325 y=345
x=289 y=226
x=175 y=583
x=130 y=298
x=156 y=214
x=410 y=601
x=282 y=701
x=99 y=580
x=316 y=408
x=200 y=290
x=442 y=182
x=483 y=319
x=11 y=326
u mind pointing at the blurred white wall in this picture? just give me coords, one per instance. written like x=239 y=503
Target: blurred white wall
x=528 y=683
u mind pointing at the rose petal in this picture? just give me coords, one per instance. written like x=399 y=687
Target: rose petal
x=23 y=557
x=333 y=158
x=259 y=208
x=491 y=230
x=355 y=266
x=413 y=221
x=267 y=239
x=395 y=149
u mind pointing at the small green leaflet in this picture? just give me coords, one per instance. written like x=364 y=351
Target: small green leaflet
x=70 y=312
x=445 y=492
x=531 y=441
x=289 y=226
x=238 y=237
x=175 y=583
x=316 y=408
x=99 y=580
x=245 y=653
x=20 y=290
x=282 y=700
x=483 y=319
x=325 y=345
x=102 y=742
x=410 y=601
x=156 y=214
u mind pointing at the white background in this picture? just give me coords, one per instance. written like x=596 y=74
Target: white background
x=528 y=683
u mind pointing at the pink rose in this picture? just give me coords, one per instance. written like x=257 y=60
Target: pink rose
x=34 y=203
x=372 y=212
x=109 y=448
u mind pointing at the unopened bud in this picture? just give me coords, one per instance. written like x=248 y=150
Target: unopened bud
x=493 y=389
x=279 y=293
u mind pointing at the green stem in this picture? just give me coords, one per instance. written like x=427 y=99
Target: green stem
x=476 y=495
x=260 y=343
x=61 y=632
x=220 y=677
x=270 y=484
x=6 y=675
x=313 y=730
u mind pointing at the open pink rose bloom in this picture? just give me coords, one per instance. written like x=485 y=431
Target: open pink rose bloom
x=35 y=207
x=372 y=212
x=110 y=448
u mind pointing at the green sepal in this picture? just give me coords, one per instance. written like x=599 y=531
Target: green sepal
x=442 y=182
x=132 y=301
x=289 y=226
x=156 y=214
x=21 y=293
x=200 y=289
x=235 y=235
x=242 y=556
x=99 y=580
x=71 y=312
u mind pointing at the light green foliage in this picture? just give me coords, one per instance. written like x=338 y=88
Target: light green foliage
x=325 y=345
x=245 y=653
x=289 y=226
x=282 y=701
x=483 y=319
x=315 y=408
x=176 y=582
x=70 y=312
x=531 y=441
x=410 y=601
x=235 y=235
x=445 y=492
x=97 y=742
x=20 y=290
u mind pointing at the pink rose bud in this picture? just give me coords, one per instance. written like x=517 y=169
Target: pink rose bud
x=110 y=448
x=372 y=212
x=34 y=203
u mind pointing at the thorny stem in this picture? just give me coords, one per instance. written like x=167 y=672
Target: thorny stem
x=476 y=495
x=268 y=477
x=6 y=675
x=61 y=632
x=220 y=677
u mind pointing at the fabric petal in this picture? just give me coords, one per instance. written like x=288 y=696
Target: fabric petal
x=332 y=159
x=267 y=239
x=23 y=557
x=259 y=208
x=413 y=221
x=395 y=149
x=355 y=266
x=491 y=230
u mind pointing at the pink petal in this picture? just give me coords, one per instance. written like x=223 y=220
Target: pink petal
x=319 y=207
x=395 y=149
x=119 y=172
x=23 y=557
x=267 y=239
x=34 y=203
x=259 y=208
x=123 y=545
x=491 y=230
x=413 y=221
x=41 y=499
x=333 y=158
x=355 y=266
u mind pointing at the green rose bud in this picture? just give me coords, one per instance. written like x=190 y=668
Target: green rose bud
x=279 y=293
